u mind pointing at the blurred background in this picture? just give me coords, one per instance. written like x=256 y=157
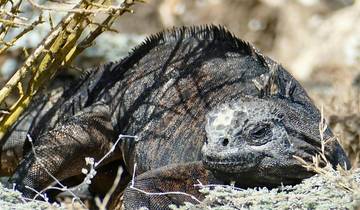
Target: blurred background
x=318 y=41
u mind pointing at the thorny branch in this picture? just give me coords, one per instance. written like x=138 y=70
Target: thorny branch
x=57 y=50
x=100 y=7
x=19 y=35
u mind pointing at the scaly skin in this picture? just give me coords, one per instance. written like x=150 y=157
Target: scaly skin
x=14 y=144
x=162 y=93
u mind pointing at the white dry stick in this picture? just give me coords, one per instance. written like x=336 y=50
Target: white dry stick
x=114 y=146
x=62 y=187
x=93 y=165
x=108 y=9
x=90 y=161
x=89 y=175
x=4 y=12
x=4 y=112
x=102 y=205
x=201 y=185
x=132 y=186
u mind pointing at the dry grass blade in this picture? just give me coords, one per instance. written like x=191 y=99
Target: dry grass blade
x=323 y=167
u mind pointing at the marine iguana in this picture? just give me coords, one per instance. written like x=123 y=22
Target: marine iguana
x=205 y=106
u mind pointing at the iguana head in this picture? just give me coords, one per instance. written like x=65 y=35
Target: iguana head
x=253 y=142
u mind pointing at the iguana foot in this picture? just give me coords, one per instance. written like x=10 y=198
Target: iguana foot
x=172 y=184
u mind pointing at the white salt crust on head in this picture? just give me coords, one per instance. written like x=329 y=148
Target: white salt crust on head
x=220 y=122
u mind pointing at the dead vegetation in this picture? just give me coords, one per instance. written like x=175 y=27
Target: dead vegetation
x=74 y=33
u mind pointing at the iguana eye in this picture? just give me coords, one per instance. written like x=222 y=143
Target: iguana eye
x=260 y=131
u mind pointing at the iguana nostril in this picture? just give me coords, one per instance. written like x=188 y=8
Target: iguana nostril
x=209 y=158
x=225 y=142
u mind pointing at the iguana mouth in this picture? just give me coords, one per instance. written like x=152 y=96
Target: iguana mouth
x=215 y=163
x=229 y=165
x=250 y=174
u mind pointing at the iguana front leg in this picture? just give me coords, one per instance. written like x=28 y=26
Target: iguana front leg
x=61 y=152
x=172 y=184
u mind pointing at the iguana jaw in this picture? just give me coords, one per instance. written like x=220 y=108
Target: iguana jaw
x=259 y=170
x=231 y=160
x=255 y=178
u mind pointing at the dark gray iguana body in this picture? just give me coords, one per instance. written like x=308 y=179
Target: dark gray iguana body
x=14 y=144
x=258 y=117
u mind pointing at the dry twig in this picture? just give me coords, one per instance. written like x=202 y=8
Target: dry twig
x=339 y=176
x=132 y=186
x=57 y=50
